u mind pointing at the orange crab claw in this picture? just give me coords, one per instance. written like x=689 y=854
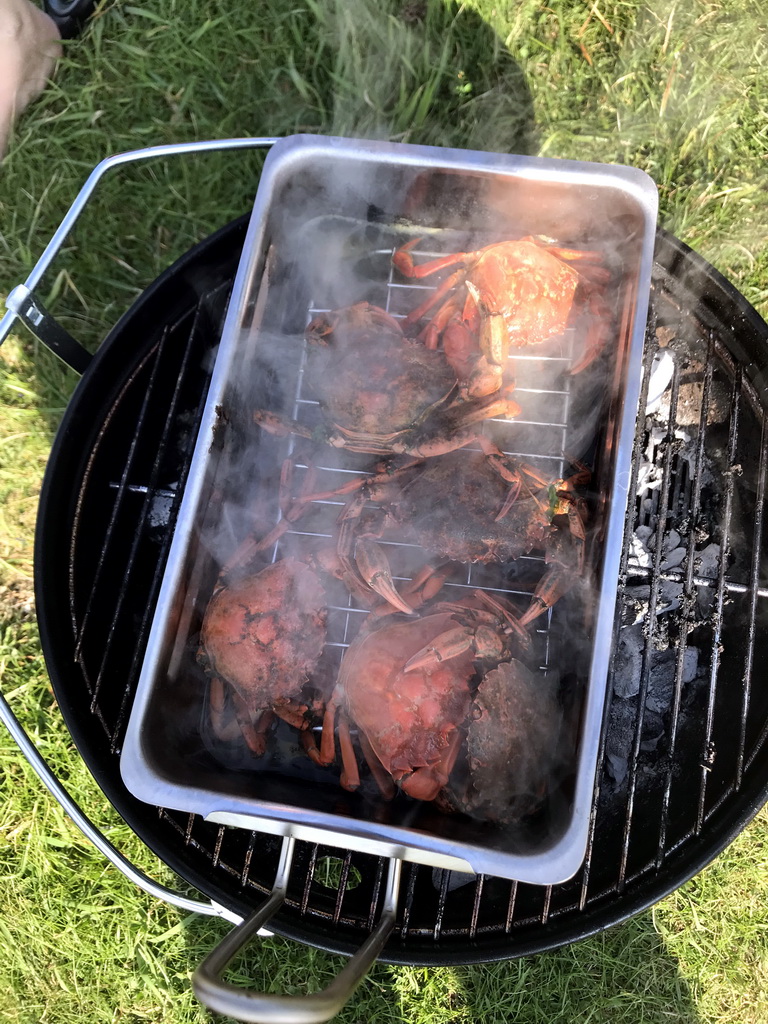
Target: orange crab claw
x=448 y=645
x=373 y=566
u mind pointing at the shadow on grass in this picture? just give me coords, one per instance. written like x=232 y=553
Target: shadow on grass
x=623 y=976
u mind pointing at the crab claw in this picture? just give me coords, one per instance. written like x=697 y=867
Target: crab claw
x=494 y=336
x=449 y=644
x=373 y=566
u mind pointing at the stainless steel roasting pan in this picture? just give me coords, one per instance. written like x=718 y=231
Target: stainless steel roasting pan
x=327 y=217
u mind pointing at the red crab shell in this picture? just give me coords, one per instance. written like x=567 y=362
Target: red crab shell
x=409 y=719
x=264 y=634
x=464 y=528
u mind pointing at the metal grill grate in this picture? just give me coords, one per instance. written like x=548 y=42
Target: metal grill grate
x=679 y=795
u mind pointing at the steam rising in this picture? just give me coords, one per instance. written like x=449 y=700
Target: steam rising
x=332 y=227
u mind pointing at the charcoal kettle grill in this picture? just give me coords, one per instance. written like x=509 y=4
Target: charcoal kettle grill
x=683 y=763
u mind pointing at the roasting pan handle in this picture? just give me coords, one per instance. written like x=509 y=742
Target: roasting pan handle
x=263 y=1008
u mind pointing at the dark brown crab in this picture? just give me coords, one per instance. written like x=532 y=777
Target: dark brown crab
x=382 y=393
x=514 y=746
x=498 y=509
x=261 y=638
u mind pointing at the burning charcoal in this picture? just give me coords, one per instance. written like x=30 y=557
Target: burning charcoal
x=671 y=541
x=674 y=558
x=629 y=662
x=653 y=731
x=619 y=739
x=668 y=599
x=688 y=408
x=641 y=551
x=708 y=561
x=617 y=766
x=662 y=680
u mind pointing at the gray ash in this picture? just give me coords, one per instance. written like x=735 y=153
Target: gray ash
x=662 y=656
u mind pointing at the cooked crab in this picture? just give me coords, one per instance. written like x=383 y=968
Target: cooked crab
x=405 y=685
x=497 y=509
x=261 y=638
x=513 y=745
x=382 y=393
x=505 y=296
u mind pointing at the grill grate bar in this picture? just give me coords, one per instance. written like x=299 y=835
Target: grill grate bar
x=442 y=899
x=183 y=370
x=545 y=910
x=708 y=753
x=117 y=505
x=342 y=886
x=479 y=882
x=511 y=907
x=309 y=878
x=677 y=576
x=248 y=858
x=651 y=347
x=138 y=531
x=645 y=676
x=754 y=594
x=381 y=863
x=409 y=895
x=217 y=847
x=688 y=602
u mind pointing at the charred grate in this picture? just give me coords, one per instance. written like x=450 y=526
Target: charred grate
x=683 y=759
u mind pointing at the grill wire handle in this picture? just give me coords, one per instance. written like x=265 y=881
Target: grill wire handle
x=24 y=305
x=43 y=771
x=264 y=1008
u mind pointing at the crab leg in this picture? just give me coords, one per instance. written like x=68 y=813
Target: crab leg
x=373 y=566
x=292 y=713
x=254 y=733
x=403 y=260
x=290 y=512
x=555 y=582
x=327 y=742
x=514 y=624
x=448 y=645
x=511 y=472
x=378 y=771
x=308 y=742
x=350 y=776
x=224 y=726
x=431 y=333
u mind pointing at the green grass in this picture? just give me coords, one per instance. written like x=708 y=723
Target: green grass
x=679 y=89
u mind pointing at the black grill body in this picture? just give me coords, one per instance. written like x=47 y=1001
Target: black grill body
x=683 y=766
